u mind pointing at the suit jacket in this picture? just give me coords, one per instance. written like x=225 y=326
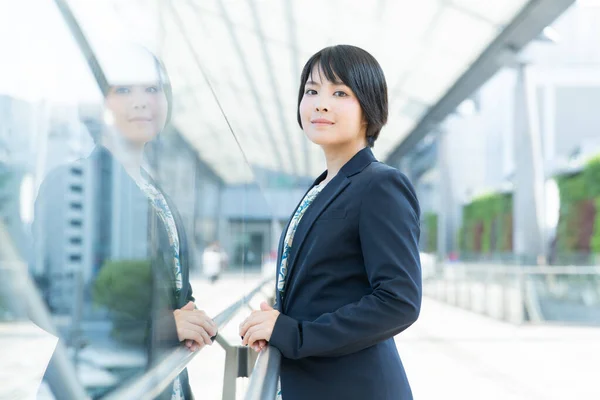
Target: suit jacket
x=353 y=283
x=153 y=327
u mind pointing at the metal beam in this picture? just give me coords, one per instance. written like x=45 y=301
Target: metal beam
x=249 y=78
x=83 y=44
x=527 y=25
x=295 y=50
x=274 y=87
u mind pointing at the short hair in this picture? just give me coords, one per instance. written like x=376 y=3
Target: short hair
x=361 y=72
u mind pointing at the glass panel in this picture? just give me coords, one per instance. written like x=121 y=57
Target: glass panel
x=117 y=198
x=568 y=298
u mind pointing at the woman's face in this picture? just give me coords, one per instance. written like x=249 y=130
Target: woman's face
x=139 y=112
x=331 y=114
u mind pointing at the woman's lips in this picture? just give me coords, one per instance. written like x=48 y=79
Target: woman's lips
x=321 y=121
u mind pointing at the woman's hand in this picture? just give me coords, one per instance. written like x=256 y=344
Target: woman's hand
x=256 y=330
x=194 y=326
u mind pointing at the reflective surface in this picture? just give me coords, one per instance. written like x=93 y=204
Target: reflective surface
x=106 y=208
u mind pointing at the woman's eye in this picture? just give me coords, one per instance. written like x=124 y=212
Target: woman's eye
x=310 y=91
x=152 y=89
x=339 y=93
x=122 y=90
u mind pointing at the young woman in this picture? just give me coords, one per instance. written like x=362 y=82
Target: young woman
x=137 y=107
x=349 y=276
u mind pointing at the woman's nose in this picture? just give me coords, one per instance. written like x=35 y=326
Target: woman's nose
x=140 y=104
x=140 y=101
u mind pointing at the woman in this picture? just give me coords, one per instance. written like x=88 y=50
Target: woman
x=349 y=276
x=137 y=108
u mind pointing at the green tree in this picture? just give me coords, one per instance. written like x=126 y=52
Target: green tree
x=431 y=224
x=123 y=287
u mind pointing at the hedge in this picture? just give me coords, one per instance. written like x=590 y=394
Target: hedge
x=431 y=224
x=124 y=288
x=487 y=221
x=487 y=224
x=579 y=222
x=595 y=242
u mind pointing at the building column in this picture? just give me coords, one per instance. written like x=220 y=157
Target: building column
x=449 y=209
x=528 y=208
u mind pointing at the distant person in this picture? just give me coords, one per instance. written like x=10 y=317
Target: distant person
x=349 y=277
x=212 y=261
x=269 y=264
x=137 y=107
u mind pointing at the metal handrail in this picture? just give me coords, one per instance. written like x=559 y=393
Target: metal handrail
x=153 y=382
x=265 y=376
x=525 y=269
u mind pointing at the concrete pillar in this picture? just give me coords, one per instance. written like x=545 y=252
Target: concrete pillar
x=528 y=208
x=449 y=208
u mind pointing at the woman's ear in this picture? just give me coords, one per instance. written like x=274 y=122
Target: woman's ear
x=364 y=119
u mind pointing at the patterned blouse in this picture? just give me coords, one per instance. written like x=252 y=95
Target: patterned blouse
x=289 y=236
x=161 y=207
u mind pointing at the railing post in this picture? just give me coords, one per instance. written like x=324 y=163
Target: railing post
x=252 y=357
x=231 y=373
x=469 y=291
x=522 y=296
x=486 y=296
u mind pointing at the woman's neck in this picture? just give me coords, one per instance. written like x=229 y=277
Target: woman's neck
x=337 y=157
x=130 y=155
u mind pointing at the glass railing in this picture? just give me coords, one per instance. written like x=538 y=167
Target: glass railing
x=239 y=359
x=558 y=294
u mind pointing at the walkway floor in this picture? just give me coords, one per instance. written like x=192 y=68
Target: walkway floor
x=453 y=354
x=448 y=354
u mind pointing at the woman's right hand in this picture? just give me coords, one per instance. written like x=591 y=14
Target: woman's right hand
x=194 y=326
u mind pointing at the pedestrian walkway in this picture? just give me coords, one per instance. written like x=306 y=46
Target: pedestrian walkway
x=455 y=354
x=452 y=354
x=206 y=369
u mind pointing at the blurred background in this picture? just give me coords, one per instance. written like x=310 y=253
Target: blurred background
x=493 y=117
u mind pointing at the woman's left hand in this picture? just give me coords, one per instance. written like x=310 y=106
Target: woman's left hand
x=259 y=326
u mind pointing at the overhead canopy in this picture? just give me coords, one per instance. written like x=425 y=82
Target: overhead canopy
x=250 y=52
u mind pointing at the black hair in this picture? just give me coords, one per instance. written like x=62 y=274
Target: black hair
x=165 y=83
x=360 y=71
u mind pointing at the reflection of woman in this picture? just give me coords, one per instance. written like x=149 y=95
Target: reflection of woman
x=349 y=277
x=137 y=107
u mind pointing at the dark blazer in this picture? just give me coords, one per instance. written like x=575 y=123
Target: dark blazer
x=158 y=335
x=353 y=283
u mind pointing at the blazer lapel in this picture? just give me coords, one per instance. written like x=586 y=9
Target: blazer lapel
x=284 y=233
x=320 y=203
x=282 y=239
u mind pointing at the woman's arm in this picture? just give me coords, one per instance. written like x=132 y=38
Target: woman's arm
x=389 y=235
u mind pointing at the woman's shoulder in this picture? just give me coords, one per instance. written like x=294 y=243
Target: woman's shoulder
x=380 y=173
x=386 y=184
